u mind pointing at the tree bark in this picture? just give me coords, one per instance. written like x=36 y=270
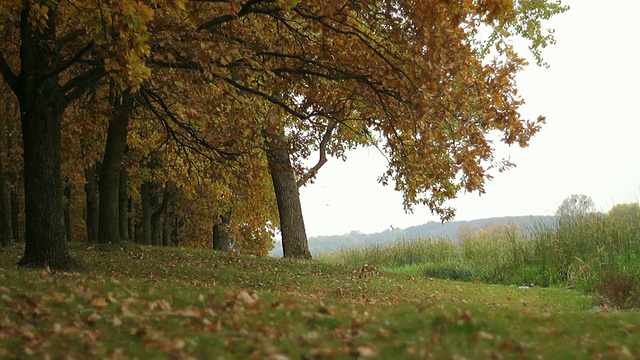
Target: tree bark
x=157 y=215
x=5 y=211
x=42 y=104
x=15 y=214
x=221 y=236
x=166 y=228
x=177 y=223
x=109 y=214
x=145 y=194
x=91 y=191
x=123 y=203
x=13 y=192
x=294 y=237
x=130 y=227
x=67 y=211
x=137 y=232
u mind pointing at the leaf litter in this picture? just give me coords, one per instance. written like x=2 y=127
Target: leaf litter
x=282 y=309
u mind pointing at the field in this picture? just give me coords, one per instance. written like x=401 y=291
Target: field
x=146 y=302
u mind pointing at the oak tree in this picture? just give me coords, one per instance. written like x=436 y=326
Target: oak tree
x=62 y=50
x=414 y=78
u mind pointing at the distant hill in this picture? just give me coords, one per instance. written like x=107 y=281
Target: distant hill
x=448 y=230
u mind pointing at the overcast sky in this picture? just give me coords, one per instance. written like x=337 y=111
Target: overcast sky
x=590 y=145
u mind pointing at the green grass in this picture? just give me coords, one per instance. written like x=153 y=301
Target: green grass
x=598 y=255
x=143 y=302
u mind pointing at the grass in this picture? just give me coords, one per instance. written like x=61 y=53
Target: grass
x=145 y=302
x=598 y=255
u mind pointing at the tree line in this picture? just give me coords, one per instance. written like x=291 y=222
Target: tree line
x=195 y=122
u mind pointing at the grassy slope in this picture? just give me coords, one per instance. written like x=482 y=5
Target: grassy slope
x=188 y=303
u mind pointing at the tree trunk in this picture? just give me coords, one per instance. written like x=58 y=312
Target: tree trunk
x=137 y=232
x=67 y=211
x=123 y=203
x=109 y=214
x=91 y=190
x=13 y=182
x=157 y=215
x=145 y=194
x=155 y=218
x=294 y=237
x=15 y=214
x=221 y=236
x=5 y=212
x=174 y=231
x=130 y=227
x=42 y=105
x=46 y=240
x=166 y=228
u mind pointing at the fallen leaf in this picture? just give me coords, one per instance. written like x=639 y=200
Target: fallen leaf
x=367 y=351
x=99 y=302
x=192 y=312
x=250 y=298
x=278 y=357
x=484 y=335
x=175 y=344
x=93 y=317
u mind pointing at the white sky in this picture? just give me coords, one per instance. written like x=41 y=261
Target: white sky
x=590 y=144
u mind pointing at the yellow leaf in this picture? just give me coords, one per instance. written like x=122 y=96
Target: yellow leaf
x=99 y=302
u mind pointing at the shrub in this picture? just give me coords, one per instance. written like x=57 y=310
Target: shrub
x=620 y=289
x=448 y=271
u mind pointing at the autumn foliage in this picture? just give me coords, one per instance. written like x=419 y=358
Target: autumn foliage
x=217 y=101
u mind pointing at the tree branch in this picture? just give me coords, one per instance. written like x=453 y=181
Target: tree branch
x=166 y=200
x=77 y=86
x=183 y=65
x=72 y=35
x=151 y=95
x=247 y=9
x=9 y=77
x=67 y=64
x=323 y=156
x=272 y=99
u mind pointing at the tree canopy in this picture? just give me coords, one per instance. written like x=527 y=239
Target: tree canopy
x=218 y=101
x=575 y=206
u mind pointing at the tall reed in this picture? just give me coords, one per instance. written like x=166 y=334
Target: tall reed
x=586 y=252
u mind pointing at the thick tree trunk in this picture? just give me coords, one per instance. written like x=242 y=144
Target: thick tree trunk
x=294 y=237
x=145 y=194
x=221 y=236
x=109 y=214
x=91 y=191
x=46 y=241
x=42 y=104
x=5 y=212
x=123 y=203
x=13 y=183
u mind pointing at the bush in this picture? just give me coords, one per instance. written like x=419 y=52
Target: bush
x=596 y=253
x=620 y=289
x=448 y=271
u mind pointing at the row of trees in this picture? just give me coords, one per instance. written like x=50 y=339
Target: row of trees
x=198 y=117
